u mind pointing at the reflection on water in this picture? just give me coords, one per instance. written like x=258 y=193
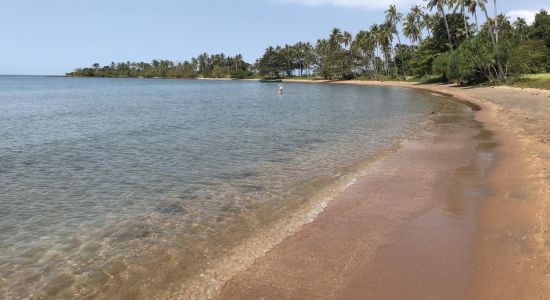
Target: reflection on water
x=470 y=186
x=125 y=188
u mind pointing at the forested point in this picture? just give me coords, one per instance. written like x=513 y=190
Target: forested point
x=444 y=42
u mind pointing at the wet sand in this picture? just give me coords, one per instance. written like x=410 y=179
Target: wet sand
x=439 y=219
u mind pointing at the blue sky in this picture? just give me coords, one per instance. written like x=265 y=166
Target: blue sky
x=55 y=36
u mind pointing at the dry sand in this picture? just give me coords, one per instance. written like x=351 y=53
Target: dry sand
x=439 y=219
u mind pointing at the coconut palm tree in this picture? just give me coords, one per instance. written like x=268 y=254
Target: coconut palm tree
x=347 y=39
x=428 y=22
x=493 y=32
x=521 y=27
x=336 y=36
x=461 y=4
x=440 y=4
x=408 y=26
x=472 y=9
x=411 y=30
x=385 y=39
x=238 y=61
x=375 y=36
x=393 y=17
x=417 y=16
x=483 y=6
x=496 y=23
x=364 y=48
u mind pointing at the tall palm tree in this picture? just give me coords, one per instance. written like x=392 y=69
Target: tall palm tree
x=440 y=4
x=322 y=49
x=238 y=60
x=496 y=23
x=472 y=9
x=363 y=43
x=461 y=4
x=336 y=36
x=483 y=6
x=521 y=27
x=493 y=32
x=428 y=21
x=375 y=36
x=408 y=26
x=347 y=39
x=393 y=17
x=385 y=39
x=417 y=16
x=411 y=29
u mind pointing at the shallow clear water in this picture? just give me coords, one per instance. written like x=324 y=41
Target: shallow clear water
x=122 y=187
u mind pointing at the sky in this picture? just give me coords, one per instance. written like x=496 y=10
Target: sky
x=51 y=37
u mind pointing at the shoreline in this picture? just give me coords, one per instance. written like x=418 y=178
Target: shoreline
x=491 y=259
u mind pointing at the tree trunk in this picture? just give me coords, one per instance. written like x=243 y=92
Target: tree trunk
x=399 y=48
x=395 y=62
x=465 y=23
x=501 y=74
x=446 y=27
x=491 y=30
x=496 y=21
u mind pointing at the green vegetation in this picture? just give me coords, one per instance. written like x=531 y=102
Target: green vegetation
x=204 y=65
x=443 y=45
x=539 y=81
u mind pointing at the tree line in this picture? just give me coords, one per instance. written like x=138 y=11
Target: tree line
x=441 y=41
x=205 y=65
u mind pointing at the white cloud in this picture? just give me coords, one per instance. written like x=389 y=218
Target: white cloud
x=364 y=4
x=528 y=15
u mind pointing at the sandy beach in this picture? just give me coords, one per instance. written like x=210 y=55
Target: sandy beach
x=461 y=213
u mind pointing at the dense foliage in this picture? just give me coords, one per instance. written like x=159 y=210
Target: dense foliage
x=442 y=41
x=217 y=66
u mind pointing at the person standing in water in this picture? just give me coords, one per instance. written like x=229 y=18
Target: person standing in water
x=280 y=91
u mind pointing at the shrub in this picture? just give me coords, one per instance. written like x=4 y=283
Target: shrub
x=441 y=65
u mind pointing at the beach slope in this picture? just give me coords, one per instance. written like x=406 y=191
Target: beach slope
x=460 y=212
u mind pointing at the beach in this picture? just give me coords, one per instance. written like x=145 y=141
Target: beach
x=460 y=214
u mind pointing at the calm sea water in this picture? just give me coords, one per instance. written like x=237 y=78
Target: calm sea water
x=122 y=188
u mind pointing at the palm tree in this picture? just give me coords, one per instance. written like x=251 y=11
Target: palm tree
x=440 y=4
x=347 y=39
x=483 y=6
x=289 y=54
x=411 y=30
x=461 y=4
x=322 y=50
x=521 y=28
x=385 y=39
x=393 y=18
x=408 y=26
x=496 y=23
x=493 y=32
x=375 y=36
x=238 y=59
x=365 y=44
x=429 y=22
x=417 y=16
x=337 y=53
x=336 y=36
x=472 y=9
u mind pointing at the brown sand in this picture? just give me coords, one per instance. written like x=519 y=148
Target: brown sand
x=422 y=224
